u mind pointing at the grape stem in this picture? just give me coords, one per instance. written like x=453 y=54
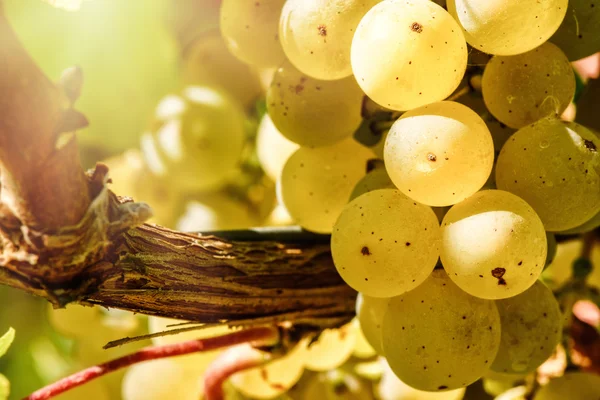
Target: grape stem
x=258 y=336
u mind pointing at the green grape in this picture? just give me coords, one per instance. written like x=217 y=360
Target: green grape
x=555 y=166
x=437 y=337
x=332 y=349
x=493 y=245
x=216 y=212
x=316 y=182
x=384 y=244
x=392 y=388
x=337 y=385
x=586 y=227
x=362 y=347
x=439 y=154
x=251 y=30
x=199 y=141
x=519 y=90
x=161 y=379
x=507 y=27
x=208 y=62
x=274 y=378
x=311 y=112
x=516 y=393
x=316 y=35
x=561 y=267
x=495 y=383
x=406 y=54
x=369 y=312
x=531 y=330
x=187 y=20
x=376 y=179
x=572 y=386
x=578 y=35
x=272 y=148
x=551 y=249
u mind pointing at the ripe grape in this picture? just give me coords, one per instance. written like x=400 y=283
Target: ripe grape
x=362 y=347
x=507 y=27
x=251 y=30
x=160 y=379
x=332 y=349
x=406 y=54
x=316 y=182
x=316 y=35
x=555 y=166
x=272 y=148
x=199 y=141
x=312 y=112
x=437 y=337
x=336 y=385
x=384 y=244
x=578 y=35
x=588 y=226
x=572 y=386
x=439 y=154
x=516 y=393
x=370 y=312
x=215 y=212
x=493 y=245
x=519 y=90
x=376 y=179
x=531 y=330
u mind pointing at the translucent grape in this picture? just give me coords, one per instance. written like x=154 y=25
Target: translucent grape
x=516 y=393
x=439 y=154
x=336 y=385
x=560 y=269
x=251 y=30
x=316 y=34
x=578 y=35
x=332 y=349
x=216 y=212
x=199 y=141
x=572 y=386
x=273 y=378
x=272 y=148
x=376 y=179
x=369 y=312
x=406 y=54
x=384 y=244
x=555 y=166
x=531 y=330
x=74 y=320
x=311 y=112
x=160 y=379
x=507 y=27
x=519 y=90
x=495 y=383
x=493 y=245
x=362 y=347
x=316 y=183
x=437 y=337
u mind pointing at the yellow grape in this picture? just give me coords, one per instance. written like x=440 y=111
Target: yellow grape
x=272 y=148
x=516 y=393
x=312 y=112
x=439 y=154
x=215 y=212
x=493 y=245
x=555 y=166
x=508 y=27
x=316 y=182
x=369 y=313
x=362 y=347
x=384 y=244
x=519 y=90
x=572 y=386
x=578 y=35
x=251 y=30
x=408 y=53
x=531 y=330
x=332 y=349
x=437 y=337
x=159 y=380
x=316 y=34
x=560 y=269
x=376 y=179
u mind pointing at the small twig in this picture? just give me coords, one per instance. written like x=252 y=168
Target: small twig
x=459 y=93
x=264 y=335
x=126 y=340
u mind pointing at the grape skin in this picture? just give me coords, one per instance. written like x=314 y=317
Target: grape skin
x=572 y=386
x=437 y=337
x=578 y=35
x=370 y=312
x=272 y=148
x=332 y=348
x=376 y=179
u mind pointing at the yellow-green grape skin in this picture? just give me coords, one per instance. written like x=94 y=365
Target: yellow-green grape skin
x=519 y=90
x=216 y=211
x=495 y=383
x=385 y=244
x=493 y=245
x=578 y=35
x=160 y=379
x=531 y=330
x=251 y=30
x=437 y=337
x=516 y=393
x=507 y=27
x=560 y=269
x=316 y=35
x=335 y=385
x=332 y=348
x=555 y=166
x=439 y=154
x=199 y=141
x=370 y=312
x=376 y=179
x=572 y=386
x=316 y=182
x=408 y=53
x=586 y=227
x=362 y=347
x=272 y=148
x=312 y=112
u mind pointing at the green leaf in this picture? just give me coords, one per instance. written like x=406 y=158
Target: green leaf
x=4 y=387
x=6 y=341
